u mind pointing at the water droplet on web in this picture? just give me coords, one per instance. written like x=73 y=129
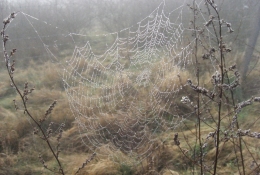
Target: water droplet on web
x=98 y=87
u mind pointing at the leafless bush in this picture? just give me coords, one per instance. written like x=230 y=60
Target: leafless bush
x=215 y=107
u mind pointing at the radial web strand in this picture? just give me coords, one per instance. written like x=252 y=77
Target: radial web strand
x=123 y=88
x=123 y=99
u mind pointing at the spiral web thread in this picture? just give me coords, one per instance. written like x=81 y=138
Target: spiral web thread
x=122 y=99
x=125 y=100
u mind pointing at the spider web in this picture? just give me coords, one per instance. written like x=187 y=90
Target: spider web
x=121 y=99
x=124 y=99
x=124 y=87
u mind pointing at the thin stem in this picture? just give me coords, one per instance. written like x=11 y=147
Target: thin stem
x=194 y=162
x=251 y=154
x=239 y=137
x=198 y=83
x=7 y=62
x=220 y=42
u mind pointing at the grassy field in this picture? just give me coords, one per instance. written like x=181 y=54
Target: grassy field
x=20 y=148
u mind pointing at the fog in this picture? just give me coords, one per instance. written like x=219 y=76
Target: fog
x=131 y=72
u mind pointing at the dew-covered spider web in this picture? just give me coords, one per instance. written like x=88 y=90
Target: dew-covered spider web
x=123 y=92
x=122 y=99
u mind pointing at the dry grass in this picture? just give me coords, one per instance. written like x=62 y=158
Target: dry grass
x=102 y=167
x=6 y=115
x=5 y=89
x=51 y=76
x=166 y=159
x=72 y=141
